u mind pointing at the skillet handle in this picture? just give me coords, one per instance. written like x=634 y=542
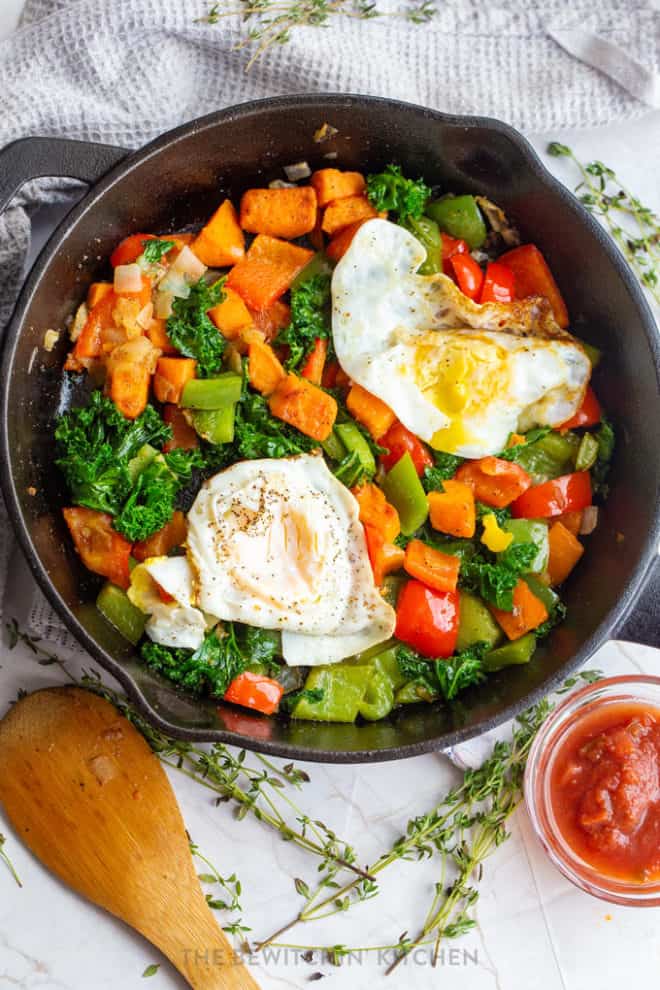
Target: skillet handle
x=37 y=157
x=642 y=624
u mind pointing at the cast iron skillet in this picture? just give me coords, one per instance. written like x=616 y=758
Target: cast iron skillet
x=177 y=181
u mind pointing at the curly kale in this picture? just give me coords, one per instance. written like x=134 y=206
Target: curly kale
x=212 y=667
x=192 y=331
x=154 y=249
x=445 y=467
x=257 y=433
x=111 y=464
x=495 y=578
x=444 y=678
x=390 y=190
x=310 y=318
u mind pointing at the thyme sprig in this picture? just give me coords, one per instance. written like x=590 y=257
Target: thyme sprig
x=463 y=829
x=228 y=896
x=7 y=861
x=257 y=790
x=634 y=227
x=271 y=22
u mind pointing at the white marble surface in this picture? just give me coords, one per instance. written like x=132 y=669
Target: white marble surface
x=534 y=929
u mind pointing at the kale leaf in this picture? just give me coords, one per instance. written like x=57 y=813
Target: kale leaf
x=153 y=499
x=390 y=190
x=257 y=433
x=606 y=440
x=208 y=670
x=556 y=617
x=487 y=510
x=153 y=250
x=513 y=453
x=289 y=701
x=445 y=467
x=443 y=677
x=94 y=444
x=192 y=331
x=494 y=579
x=310 y=318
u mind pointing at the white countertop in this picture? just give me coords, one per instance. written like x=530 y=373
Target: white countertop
x=534 y=928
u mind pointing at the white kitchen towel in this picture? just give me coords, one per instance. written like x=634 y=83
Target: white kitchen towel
x=123 y=71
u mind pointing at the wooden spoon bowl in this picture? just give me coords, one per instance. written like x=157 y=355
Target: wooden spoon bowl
x=87 y=795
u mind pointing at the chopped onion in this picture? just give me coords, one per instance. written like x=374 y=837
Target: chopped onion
x=589 y=520
x=128 y=279
x=79 y=321
x=187 y=263
x=233 y=359
x=331 y=155
x=281 y=184
x=51 y=337
x=145 y=315
x=297 y=171
x=163 y=307
x=175 y=284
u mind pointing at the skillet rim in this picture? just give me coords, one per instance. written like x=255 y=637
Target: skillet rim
x=324 y=101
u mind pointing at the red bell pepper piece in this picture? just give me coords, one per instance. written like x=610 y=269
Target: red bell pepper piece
x=468 y=274
x=384 y=557
x=499 y=284
x=101 y=548
x=588 y=414
x=494 y=481
x=398 y=440
x=534 y=278
x=255 y=691
x=130 y=249
x=427 y=620
x=312 y=369
x=568 y=493
x=451 y=246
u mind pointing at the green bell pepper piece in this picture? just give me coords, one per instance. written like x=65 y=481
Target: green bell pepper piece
x=383 y=658
x=215 y=425
x=530 y=531
x=344 y=687
x=404 y=490
x=587 y=453
x=460 y=217
x=544 y=593
x=115 y=605
x=593 y=353
x=412 y=693
x=427 y=233
x=550 y=457
x=475 y=624
x=333 y=447
x=318 y=265
x=519 y=651
x=391 y=589
x=212 y=393
x=355 y=443
x=142 y=459
x=378 y=700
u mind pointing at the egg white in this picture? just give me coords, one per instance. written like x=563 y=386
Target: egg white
x=178 y=623
x=278 y=544
x=461 y=376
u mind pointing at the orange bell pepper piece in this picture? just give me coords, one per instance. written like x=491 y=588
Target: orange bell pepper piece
x=432 y=567
x=305 y=406
x=528 y=612
x=369 y=410
x=286 y=213
x=312 y=369
x=384 y=557
x=220 y=242
x=101 y=549
x=452 y=511
x=565 y=551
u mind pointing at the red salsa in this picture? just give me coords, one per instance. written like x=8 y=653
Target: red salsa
x=605 y=791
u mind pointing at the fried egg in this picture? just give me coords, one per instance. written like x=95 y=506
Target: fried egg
x=278 y=544
x=460 y=375
x=170 y=623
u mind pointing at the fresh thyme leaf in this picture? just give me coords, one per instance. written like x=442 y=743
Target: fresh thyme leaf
x=310 y=319
x=153 y=250
x=390 y=190
x=227 y=897
x=634 y=227
x=151 y=970
x=6 y=860
x=192 y=331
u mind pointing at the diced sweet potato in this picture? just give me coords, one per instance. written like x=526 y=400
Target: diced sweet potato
x=305 y=406
x=342 y=212
x=267 y=270
x=332 y=183
x=286 y=213
x=231 y=316
x=264 y=368
x=221 y=241
x=369 y=410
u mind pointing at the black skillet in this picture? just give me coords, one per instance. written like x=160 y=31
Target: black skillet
x=176 y=182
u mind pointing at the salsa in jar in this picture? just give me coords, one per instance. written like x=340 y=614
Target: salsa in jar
x=604 y=790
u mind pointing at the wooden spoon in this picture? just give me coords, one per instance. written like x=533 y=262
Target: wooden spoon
x=84 y=791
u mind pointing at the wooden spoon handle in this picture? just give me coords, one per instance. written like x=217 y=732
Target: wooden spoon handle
x=200 y=951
